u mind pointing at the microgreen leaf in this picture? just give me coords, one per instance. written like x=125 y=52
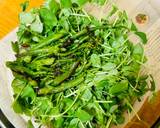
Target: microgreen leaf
x=119 y=87
x=83 y=115
x=113 y=108
x=113 y=11
x=108 y=66
x=24 y=5
x=66 y=3
x=120 y=119
x=142 y=36
x=26 y=17
x=73 y=123
x=50 y=19
x=28 y=92
x=153 y=85
x=53 y=5
x=138 y=52
x=95 y=60
x=17 y=107
x=29 y=124
x=18 y=85
x=37 y=25
x=80 y=2
x=87 y=95
x=133 y=27
x=15 y=47
x=138 y=49
x=100 y=2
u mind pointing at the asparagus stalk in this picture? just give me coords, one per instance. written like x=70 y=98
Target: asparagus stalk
x=66 y=75
x=62 y=87
x=24 y=70
x=50 y=39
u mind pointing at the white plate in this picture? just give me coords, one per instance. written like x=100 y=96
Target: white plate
x=5 y=81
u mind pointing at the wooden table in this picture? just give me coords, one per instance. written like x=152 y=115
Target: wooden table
x=9 y=10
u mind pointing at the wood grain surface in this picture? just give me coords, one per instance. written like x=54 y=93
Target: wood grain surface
x=9 y=10
x=148 y=113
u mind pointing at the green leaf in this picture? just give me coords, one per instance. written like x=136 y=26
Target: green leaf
x=129 y=70
x=100 y=2
x=99 y=114
x=59 y=122
x=138 y=49
x=27 y=59
x=15 y=47
x=50 y=20
x=63 y=22
x=45 y=105
x=142 y=36
x=133 y=27
x=29 y=124
x=113 y=72
x=87 y=95
x=53 y=5
x=113 y=11
x=96 y=23
x=18 y=84
x=26 y=17
x=28 y=92
x=74 y=123
x=153 y=85
x=138 y=52
x=102 y=84
x=95 y=60
x=24 y=5
x=120 y=119
x=119 y=87
x=54 y=110
x=109 y=66
x=37 y=25
x=80 y=2
x=33 y=83
x=83 y=115
x=89 y=77
x=113 y=108
x=17 y=107
x=66 y=3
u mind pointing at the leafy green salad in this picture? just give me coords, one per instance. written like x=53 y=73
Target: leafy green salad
x=73 y=70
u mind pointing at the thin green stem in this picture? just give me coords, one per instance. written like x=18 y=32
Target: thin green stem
x=105 y=102
x=61 y=114
x=133 y=110
x=86 y=14
x=109 y=122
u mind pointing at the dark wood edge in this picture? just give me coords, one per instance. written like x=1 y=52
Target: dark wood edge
x=148 y=113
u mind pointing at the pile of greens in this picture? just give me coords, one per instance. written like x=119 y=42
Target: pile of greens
x=75 y=71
